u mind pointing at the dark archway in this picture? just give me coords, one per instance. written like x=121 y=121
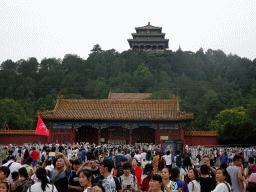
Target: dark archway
x=115 y=134
x=87 y=134
x=143 y=135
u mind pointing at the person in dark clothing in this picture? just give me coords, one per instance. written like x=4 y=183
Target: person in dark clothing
x=74 y=185
x=207 y=183
x=89 y=154
x=120 y=171
x=61 y=148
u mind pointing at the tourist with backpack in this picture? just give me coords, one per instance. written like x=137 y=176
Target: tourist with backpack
x=73 y=183
x=177 y=160
x=127 y=180
x=186 y=165
x=251 y=185
x=181 y=185
x=194 y=184
x=251 y=168
x=42 y=184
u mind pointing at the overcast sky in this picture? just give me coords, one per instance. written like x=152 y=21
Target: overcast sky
x=54 y=28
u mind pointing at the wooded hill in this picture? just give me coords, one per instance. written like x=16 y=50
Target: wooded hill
x=206 y=82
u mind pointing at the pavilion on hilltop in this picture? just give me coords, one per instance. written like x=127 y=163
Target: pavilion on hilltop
x=149 y=38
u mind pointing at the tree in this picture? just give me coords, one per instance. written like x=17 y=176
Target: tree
x=142 y=71
x=233 y=127
x=96 y=48
x=72 y=63
x=9 y=65
x=28 y=67
x=12 y=112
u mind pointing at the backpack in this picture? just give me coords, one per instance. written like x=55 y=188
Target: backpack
x=70 y=175
x=251 y=169
x=182 y=189
x=178 y=161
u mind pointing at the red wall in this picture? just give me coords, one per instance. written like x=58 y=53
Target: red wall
x=205 y=141
x=69 y=136
x=20 y=139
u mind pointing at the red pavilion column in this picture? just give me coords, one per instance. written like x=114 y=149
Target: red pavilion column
x=130 y=135
x=99 y=134
x=157 y=135
x=110 y=134
x=73 y=134
x=50 y=134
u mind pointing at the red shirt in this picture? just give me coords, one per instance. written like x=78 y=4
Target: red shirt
x=138 y=172
x=34 y=155
x=145 y=184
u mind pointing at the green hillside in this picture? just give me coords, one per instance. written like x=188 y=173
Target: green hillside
x=207 y=82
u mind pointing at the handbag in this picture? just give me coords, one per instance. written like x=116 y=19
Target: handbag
x=56 y=177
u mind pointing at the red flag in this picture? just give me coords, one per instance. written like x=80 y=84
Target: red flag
x=41 y=129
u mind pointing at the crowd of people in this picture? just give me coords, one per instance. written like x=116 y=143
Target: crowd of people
x=122 y=168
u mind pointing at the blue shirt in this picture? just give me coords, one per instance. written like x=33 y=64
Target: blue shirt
x=119 y=156
x=83 y=154
x=223 y=159
x=180 y=186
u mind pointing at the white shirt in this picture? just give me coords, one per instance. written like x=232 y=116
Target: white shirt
x=168 y=159
x=35 y=179
x=143 y=155
x=16 y=151
x=37 y=188
x=14 y=167
x=138 y=157
x=173 y=187
x=194 y=186
x=86 y=190
x=49 y=167
x=222 y=187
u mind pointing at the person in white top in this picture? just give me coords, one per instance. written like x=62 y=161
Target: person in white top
x=42 y=184
x=85 y=179
x=138 y=156
x=194 y=185
x=224 y=180
x=13 y=166
x=168 y=159
x=143 y=155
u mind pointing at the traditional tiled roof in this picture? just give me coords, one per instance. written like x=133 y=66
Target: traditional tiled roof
x=149 y=39
x=128 y=95
x=148 y=27
x=115 y=109
x=17 y=132
x=148 y=34
x=201 y=133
